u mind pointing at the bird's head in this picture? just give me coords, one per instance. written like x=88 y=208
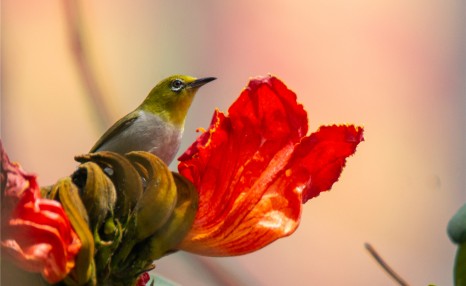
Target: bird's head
x=172 y=97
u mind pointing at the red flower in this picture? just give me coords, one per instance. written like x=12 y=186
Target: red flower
x=143 y=279
x=255 y=167
x=36 y=233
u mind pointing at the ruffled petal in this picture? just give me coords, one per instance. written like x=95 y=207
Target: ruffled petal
x=319 y=158
x=36 y=233
x=255 y=167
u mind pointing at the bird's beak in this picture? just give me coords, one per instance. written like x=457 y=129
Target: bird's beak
x=200 y=82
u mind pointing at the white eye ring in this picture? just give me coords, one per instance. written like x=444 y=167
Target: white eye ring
x=176 y=85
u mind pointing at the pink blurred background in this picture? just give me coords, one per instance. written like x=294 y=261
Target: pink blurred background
x=396 y=67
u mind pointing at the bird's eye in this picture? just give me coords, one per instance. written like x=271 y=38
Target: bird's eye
x=177 y=85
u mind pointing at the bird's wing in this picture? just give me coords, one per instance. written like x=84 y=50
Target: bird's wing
x=116 y=129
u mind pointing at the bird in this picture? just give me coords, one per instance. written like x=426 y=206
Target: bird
x=157 y=125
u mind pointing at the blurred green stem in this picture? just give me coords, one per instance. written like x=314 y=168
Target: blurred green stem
x=94 y=92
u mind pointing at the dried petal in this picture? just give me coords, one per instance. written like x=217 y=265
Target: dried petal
x=154 y=207
x=125 y=178
x=97 y=192
x=167 y=238
x=159 y=197
x=76 y=212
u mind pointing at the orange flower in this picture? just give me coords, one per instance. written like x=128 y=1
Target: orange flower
x=36 y=233
x=256 y=167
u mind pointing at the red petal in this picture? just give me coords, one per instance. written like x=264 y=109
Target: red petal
x=235 y=164
x=143 y=279
x=254 y=168
x=268 y=107
x=36 y=232
x=319 y=159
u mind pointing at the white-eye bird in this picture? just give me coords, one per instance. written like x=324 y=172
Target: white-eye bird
x=157 y=124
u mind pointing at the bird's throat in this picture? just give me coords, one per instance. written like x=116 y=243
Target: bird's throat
x=173 y=113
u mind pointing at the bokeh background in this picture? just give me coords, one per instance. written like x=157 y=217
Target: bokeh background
x=394 y=66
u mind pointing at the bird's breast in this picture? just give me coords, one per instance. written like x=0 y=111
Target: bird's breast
x=148 y=133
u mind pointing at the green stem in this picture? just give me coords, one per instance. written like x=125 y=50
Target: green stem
x=460 y=265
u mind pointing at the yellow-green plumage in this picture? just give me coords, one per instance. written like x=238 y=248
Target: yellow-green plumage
x=157 y=125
